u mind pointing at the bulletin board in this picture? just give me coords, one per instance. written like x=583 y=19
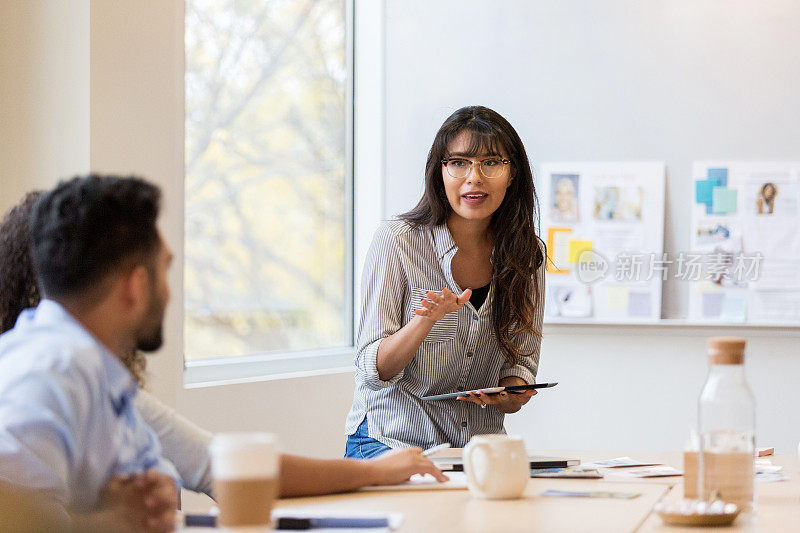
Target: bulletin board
x=603 y=224
x=746 y=239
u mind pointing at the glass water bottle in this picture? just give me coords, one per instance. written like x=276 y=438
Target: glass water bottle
x=726 y=423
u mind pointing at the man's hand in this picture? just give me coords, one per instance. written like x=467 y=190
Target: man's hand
x=142 y=502
x=399 y=465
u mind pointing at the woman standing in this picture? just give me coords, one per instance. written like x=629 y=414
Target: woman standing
x=453 y=296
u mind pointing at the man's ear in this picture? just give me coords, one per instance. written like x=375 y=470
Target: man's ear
x=136 y=288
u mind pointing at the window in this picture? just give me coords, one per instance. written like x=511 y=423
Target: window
x=268 y=190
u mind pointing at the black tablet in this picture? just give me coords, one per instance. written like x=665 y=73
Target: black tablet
x=490 y=390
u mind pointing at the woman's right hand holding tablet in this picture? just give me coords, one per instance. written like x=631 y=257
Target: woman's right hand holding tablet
x=437 y=306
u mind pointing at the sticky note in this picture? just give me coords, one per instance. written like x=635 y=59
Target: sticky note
x=723 y=201
x=576 y=247
x=639 y=304
x=734 y=308
x=703 y=191
x=712 y=304
x=720 y=175
x=617 y=298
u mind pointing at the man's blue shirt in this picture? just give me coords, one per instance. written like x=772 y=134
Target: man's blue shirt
x=67 y=419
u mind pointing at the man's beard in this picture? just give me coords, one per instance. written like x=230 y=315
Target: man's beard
x=151 y=337
x=152 y=341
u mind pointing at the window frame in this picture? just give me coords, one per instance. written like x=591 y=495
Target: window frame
x=362 y=207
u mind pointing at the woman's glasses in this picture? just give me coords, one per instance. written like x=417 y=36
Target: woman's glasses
x=459 y=168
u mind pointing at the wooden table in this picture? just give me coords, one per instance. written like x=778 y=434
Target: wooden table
x=444 y=511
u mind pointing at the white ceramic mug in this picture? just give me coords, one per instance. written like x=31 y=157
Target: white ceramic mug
x=496 y=466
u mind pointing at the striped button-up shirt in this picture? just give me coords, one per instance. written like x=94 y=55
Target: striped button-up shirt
x=459 y=353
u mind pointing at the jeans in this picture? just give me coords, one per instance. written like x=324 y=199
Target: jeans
x=361 y=446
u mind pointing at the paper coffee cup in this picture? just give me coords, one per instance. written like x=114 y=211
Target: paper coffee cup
x=244 y=467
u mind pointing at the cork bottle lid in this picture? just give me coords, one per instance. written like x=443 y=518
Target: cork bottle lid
x=726 y=350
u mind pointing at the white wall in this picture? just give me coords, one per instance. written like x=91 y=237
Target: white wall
x=44 y=94
x=609 y=80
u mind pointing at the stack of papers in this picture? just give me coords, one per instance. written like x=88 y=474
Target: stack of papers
x=766 y=471
x=634 y=468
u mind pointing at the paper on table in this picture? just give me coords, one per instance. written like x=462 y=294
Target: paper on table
x=650 y=471
x=569 y=473
x=458 y=481
x=767 y=472
x=616 y=463
x=591 y=494
x=771 y=476
x=766 y=466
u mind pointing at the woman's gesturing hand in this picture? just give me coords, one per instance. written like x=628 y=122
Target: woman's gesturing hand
x=436 y=306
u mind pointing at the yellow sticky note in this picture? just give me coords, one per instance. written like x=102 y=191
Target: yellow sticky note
x=577 y=247
x=617 y=298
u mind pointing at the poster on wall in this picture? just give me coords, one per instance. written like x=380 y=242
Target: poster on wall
x=603 y=224
x=746 y=242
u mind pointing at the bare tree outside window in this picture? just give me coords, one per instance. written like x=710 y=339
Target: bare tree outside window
x=266 y=226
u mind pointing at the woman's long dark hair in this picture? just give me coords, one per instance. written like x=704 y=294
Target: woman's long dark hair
x=18 y=289
x=18 y=279
x=518 y=250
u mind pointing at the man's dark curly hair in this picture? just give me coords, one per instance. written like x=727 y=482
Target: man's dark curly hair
x=88 y=227
x=18 y=289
